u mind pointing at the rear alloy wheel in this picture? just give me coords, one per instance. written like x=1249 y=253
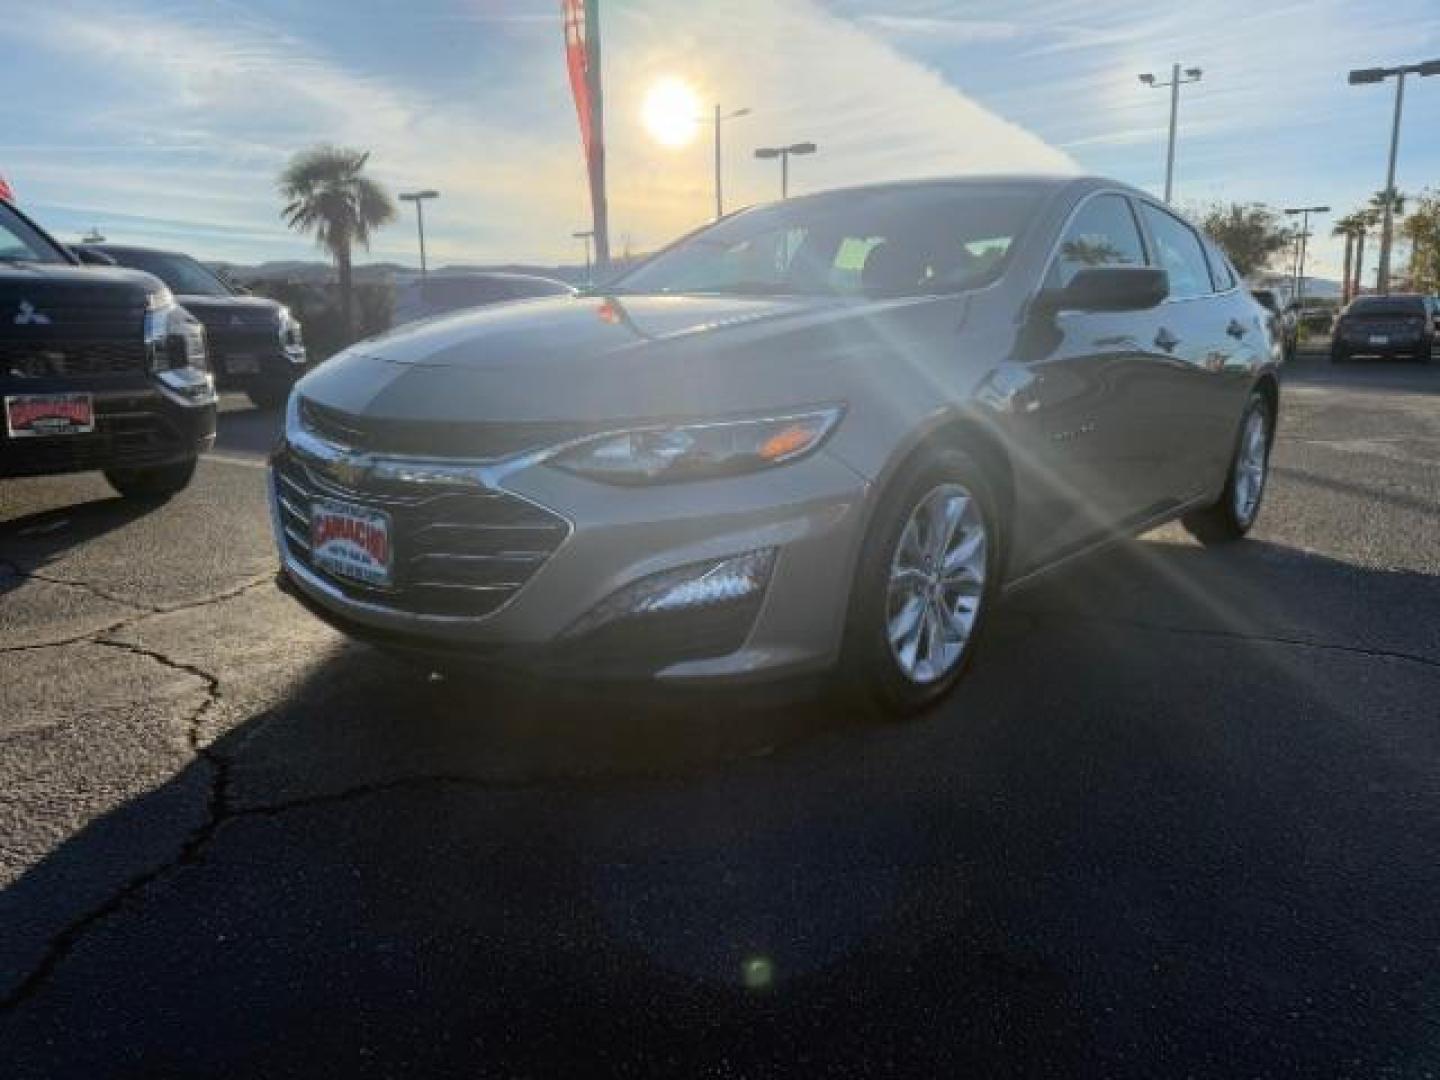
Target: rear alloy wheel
x=925 y=580
x=154 y=484
x=1232 y=516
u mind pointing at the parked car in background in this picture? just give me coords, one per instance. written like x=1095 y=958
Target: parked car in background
x=99 y=369
x=1284 y=323
x=256 y=345
x=821 y=435
x=1385 y=327
x=425 y=296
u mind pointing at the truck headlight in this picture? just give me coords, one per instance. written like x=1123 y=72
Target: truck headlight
x=173 y=337
x=664 y=454
x=292 y=344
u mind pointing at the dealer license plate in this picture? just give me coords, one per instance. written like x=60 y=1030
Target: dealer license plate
x=351 y=541
x=29 y=415
x=1379 y=339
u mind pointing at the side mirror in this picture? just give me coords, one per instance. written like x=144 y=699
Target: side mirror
x=92 y=256
x=1108 y=288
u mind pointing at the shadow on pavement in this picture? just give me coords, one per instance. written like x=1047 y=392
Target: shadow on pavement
x=1174 y=824
x=36 y=540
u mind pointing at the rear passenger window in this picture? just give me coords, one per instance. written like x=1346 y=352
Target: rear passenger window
x=1178 y=251
x=1103 y=233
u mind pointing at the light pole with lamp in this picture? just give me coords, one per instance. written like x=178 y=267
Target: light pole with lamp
x=1191 y=75
x=769 y=153
x=1362 y=76
x=719 y=120
x=418 y=198
x=1304 y=212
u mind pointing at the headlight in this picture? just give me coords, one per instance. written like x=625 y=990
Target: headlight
x=291 y=342
x=699 y=451
x=173 y=337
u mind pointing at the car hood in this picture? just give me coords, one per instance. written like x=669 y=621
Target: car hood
x=598 y=359
x=53 y=297
x=210 y=309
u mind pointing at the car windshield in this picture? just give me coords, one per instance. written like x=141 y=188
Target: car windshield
x=20 y=243
x=181 y=273
x=892 y=242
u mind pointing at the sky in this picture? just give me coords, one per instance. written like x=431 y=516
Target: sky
x=166 y=121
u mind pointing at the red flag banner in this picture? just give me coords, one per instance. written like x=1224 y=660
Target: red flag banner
x=577 y=59
x=6 y=191
x=582 y=59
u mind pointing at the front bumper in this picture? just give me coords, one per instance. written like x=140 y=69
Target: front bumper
x=810 y=513
x=238 y=367
x=137 y=426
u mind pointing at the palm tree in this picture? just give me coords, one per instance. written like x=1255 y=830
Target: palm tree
x=1352 y=228
x=327 y=193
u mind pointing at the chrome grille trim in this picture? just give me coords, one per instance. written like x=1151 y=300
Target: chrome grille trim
x=459 y=553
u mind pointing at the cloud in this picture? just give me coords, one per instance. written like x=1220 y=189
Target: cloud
x=207 y=107
x=944 y=31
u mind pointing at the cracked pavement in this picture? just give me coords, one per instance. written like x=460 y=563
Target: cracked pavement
x=1182 y=820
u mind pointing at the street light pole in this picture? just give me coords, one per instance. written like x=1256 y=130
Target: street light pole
x=768 y=153
x=1304 y=212
x=418 y=198
x=1362 y=76
x=719 y=120
x=1191 y=75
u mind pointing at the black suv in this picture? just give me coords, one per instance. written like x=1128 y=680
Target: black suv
x=1391 y=326
x=99 y=369
x=255 y=343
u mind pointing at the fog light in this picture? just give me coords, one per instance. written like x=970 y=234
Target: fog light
x=686 y=588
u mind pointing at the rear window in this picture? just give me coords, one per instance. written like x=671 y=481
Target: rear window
x=1387 y=308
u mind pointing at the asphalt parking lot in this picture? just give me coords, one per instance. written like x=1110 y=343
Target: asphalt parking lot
x=1183 y=821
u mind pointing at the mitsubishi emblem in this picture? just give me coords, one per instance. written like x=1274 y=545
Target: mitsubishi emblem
x=28 y=316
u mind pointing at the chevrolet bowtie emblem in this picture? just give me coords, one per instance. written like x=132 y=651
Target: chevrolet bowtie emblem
x=28 y=316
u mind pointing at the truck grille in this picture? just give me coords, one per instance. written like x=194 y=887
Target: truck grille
x=72 y=359
x=456 y=552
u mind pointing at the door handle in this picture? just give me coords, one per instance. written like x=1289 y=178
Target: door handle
x=1236 y=329
x=1166 y=340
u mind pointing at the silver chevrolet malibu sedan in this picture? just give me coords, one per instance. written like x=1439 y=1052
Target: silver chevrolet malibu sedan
x=823 y=436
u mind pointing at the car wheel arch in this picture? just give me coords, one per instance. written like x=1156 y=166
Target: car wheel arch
x=959 y=431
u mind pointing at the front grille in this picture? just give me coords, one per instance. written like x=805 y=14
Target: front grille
x=44 y=359
x=455 y=551
x=459 y=439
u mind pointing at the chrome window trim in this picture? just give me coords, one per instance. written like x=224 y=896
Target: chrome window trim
x=1075 y=212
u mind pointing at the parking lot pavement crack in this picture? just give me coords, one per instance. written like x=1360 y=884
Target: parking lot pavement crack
x=1055 y=617
x=216 y=811
x=16 y=570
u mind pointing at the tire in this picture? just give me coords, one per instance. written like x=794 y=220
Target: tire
x=872 y=672
x=1233 y=514
x=154 y=484
x=268 y=395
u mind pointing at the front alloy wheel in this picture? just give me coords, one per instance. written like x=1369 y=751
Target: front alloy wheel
x=937 y=578
x=925 y=579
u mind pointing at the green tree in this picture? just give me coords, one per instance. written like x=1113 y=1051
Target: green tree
x=1422 y=229
x=1252 y=234
x=328 y=194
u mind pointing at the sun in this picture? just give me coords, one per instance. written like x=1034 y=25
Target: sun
x=670 y=111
